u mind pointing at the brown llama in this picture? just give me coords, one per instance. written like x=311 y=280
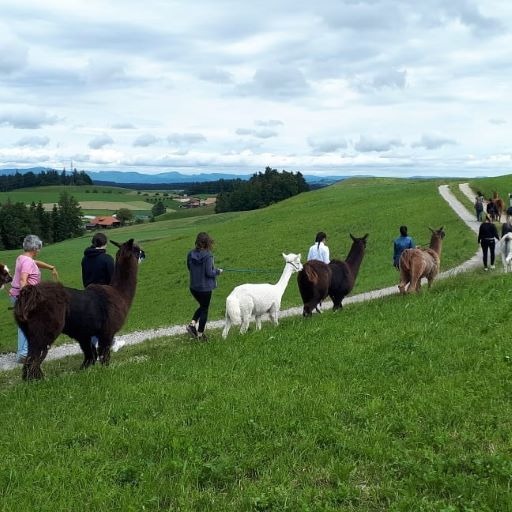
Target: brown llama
x=336 y=280
x=5 y=277
x=46 y=310
x=313 y=281
x=499 y=205
x=418 y=263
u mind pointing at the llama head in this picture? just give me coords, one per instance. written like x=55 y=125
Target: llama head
x=361 y=240
x=128 y=249
x=439 y=233
x=5 y=277
x=293 y=260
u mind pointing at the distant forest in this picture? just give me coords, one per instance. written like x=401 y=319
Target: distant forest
x=261 y=190
x=44 y=178
x=18 y=220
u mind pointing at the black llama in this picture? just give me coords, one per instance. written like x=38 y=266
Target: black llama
x=46 y=310
x=336 y=280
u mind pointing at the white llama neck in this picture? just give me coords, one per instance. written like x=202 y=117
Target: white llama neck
x=285 y=277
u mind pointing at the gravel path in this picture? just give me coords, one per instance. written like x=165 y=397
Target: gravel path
x=7 y=361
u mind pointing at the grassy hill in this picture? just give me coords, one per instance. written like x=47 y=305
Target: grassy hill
x=397 y=404
x=256 y=239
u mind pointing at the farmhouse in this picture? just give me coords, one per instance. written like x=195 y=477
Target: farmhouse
x=103 y=222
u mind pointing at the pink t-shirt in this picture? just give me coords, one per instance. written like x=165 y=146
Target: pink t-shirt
x=24 y=265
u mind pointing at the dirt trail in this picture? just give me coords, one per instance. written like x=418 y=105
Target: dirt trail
x=7 y=361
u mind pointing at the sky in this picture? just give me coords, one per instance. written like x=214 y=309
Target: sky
x=330 y=87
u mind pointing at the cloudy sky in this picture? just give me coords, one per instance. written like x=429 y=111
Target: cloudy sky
x=348 y=87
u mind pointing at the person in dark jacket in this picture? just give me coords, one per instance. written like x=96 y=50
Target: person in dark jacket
x=203 y=281
x=486 y=238
x=97 y=265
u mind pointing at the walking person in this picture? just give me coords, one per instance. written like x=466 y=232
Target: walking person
x=319 y=251
x=203 y=273
x=479 y=205
x=97 y=267
x=404 y=241
x=28 y=271
x=487 y=234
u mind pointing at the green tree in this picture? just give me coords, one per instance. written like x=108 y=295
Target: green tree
x=158 y=209
x=124 y=215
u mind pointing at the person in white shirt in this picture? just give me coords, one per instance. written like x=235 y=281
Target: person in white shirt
x=319 y=251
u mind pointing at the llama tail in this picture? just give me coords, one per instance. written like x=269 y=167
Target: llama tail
x=233 y=310
x=27 y=302
x=310 y=273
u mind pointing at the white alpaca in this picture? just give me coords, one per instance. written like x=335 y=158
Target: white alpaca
x=247 y=300
x=506 y=252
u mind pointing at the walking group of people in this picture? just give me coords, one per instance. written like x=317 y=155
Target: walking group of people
x=97 y=268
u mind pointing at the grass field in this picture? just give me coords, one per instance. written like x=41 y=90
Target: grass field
x=256 y=239
x=399 y=404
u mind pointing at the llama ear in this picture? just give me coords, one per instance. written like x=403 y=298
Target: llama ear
x=353 y=239
x=117 y=244
x=365 y=236
x=433 y=230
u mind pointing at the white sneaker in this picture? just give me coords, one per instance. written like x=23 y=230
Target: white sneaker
x=486 y=269
x=492 y=267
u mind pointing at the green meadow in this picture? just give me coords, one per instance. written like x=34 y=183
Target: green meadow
x=249 y=245
x=401 y=403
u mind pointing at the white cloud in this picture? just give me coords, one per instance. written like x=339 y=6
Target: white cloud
x=248 y=85
x=367 y=144
x=145 y=140
x=34 y=141
x=100 y=141
x=185 y=139
x=26 y=118
x=261 y=133
x=433 y=142
x=321 y=145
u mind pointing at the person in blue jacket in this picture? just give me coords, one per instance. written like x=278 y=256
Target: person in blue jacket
x=203 y=281
x=404 y=241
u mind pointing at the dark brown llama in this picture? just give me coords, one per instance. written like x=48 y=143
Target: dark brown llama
x=46 y=310
x=336 y=280
x=313 y=280
x=5 y=277
x=418 y=263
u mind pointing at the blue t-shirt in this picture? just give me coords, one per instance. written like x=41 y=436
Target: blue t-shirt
x=400 y=244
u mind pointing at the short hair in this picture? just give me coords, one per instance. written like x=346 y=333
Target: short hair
x=403 y=230
x=204 y=241
x=320 y=237
x=99 y=240
x=32 y=243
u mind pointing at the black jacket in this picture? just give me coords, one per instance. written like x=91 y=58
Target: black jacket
x=487 y=231
x=97 y=267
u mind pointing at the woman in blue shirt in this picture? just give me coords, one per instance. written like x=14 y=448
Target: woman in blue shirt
x=404 y=241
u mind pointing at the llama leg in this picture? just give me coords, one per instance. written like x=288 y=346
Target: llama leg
x=104 y=350
x=227 y=326
x=89 y=352
x=257 y=319
x=32 y=367
x=246 y=319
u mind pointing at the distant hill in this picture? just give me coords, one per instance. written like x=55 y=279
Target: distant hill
x=174 y=177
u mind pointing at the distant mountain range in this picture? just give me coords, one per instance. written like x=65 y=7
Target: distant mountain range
x=133 y=177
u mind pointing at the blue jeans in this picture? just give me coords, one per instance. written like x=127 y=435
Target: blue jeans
x=22 y=340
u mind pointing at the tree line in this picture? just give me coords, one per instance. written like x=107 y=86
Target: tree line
x=261 y=190
x=18 y=220
x=44 y=178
